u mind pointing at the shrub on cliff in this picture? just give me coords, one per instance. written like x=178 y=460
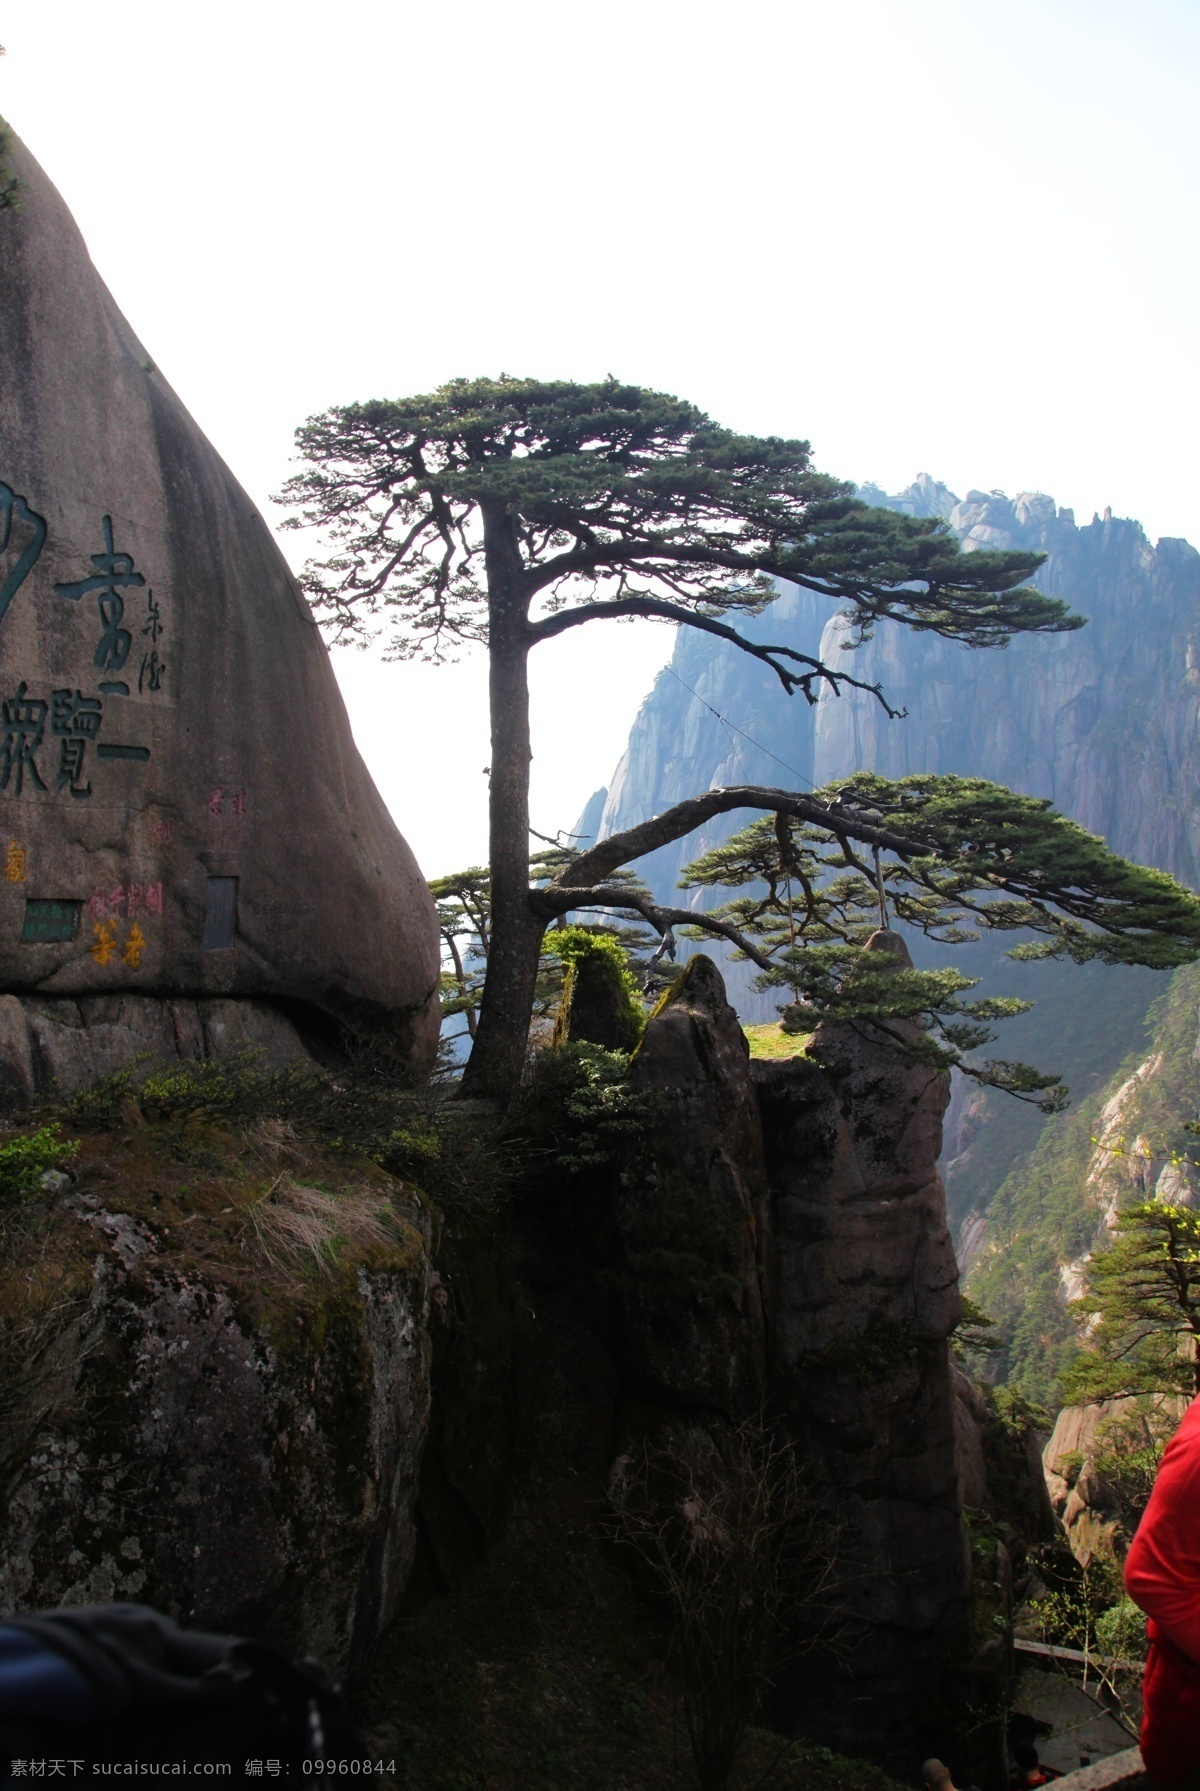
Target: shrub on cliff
x=25 y=1159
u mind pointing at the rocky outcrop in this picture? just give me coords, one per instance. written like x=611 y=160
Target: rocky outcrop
x=182 y=807
x=1088 y=1509
x=236 y=1446
x=596 y=1006
x=784 y=1246
x=1000 y=1464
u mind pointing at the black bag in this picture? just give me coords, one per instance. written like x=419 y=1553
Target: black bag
x=117 y=1683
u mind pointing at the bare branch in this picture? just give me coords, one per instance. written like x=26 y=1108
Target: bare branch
x=656 y=608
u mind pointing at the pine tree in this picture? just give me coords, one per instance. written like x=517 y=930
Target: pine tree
x=507 y=511
x=1141 y=1313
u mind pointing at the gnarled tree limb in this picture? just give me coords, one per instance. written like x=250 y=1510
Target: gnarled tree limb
x=654 y=608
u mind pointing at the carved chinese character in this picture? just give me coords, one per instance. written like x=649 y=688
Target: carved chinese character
x=73 y=713
x=70 y=768
x=76 y=719
x=114 y=573
x=14 y=508
x=15 y=863
x=105 y=948
x=154 y=898
x=133 y=899
x=150 y=676
x=24 y=724
x=153 y=625
x=135 y=945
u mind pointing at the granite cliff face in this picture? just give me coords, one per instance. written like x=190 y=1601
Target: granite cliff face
x=183 y=811
x=1104 y=721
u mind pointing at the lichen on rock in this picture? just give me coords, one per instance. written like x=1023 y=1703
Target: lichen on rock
x=214 y=1425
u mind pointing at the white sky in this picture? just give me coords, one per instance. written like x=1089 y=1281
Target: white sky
x=954 y=236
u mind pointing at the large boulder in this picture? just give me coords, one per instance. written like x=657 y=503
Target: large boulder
x=182 y=807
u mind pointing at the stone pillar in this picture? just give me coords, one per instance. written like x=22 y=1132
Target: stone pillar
x=692 y=1213
x=866 y=1296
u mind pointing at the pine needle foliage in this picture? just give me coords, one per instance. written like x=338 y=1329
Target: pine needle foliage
x=973 y=855
x=621 y=492
x=1141 y=1312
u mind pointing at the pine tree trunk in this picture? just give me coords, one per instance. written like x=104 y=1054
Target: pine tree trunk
x=498 y=1055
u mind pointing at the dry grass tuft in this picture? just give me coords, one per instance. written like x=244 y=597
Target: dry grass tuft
x=294 y=1227
x=275 y=1140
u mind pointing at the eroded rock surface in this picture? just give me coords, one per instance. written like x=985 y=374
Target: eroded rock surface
x=692 y=1209
x=785 y=1249
x=53 y=1047
x=1085 y=1506
x=182 y=807
x=866 y=1297
x=253 y=1473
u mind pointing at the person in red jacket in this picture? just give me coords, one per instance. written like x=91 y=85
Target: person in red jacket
x=1162 y=1575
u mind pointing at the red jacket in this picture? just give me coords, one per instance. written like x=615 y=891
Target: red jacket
x=1162 y=1575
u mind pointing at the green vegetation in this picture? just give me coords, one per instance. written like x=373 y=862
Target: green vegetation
x=771 y=1040
x=1129 y=1448
x=507 y=511
x=578 y=1100
x=464 y=910
x=1048 y=1214
x=952 y=855
x=974 y=1336
x=1085 y=1607
x=1141 y=1310
x=25 y=1159
x=363 y=1111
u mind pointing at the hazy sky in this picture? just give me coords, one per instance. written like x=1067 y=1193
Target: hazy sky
x=944 y=236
